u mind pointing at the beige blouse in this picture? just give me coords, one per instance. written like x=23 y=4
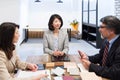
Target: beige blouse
x=7 y=67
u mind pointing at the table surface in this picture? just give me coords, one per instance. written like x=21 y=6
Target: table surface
x=45 y=58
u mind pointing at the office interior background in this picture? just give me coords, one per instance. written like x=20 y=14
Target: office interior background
x=36 y=13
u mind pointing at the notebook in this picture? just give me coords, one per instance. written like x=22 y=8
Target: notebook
x=41 y=66
x=68 y=78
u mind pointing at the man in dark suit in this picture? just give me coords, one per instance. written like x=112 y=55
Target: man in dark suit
x=110 y=32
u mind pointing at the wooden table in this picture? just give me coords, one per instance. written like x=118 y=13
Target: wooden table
x=46 y=59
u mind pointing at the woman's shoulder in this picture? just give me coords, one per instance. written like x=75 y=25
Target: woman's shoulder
x=64 y=31
x=47 y=31
x=2 y=55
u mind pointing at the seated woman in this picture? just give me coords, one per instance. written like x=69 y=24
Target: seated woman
x=9 y=61
x=55 y=40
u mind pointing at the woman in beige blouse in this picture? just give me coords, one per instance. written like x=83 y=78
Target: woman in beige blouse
x=55 y=41
x=9 y=60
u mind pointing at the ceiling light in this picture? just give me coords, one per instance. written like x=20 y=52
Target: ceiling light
x=37 y=1
x=59 y=1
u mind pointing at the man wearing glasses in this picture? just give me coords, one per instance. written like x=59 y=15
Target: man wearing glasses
x=107 y=62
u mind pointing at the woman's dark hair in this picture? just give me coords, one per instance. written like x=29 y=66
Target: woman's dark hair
x=7 y=30
x=52 y=18
x=112 y=22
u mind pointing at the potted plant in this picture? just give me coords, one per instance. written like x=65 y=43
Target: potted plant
x=74 y=25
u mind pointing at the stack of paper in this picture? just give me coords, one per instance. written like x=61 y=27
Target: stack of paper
x=58 y=78
x=72 y=68
x=89 y=76
x=63 y=78
x=24 y=74
x=82 y=68
x=69 y=64
x=73 y=71
x=58 y=71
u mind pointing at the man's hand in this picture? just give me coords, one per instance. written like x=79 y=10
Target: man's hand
x=82 y=55
x=86 y=63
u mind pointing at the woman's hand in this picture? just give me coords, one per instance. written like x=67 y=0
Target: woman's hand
x=32 y=67
x=58 y=53
x=61 y=53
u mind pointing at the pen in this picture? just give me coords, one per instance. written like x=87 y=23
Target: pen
x=45 y=72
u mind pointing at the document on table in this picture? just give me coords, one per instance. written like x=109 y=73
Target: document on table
x=82 y=68
x=31 y=73
x=58 y=78
x=73 y=71
x=69 y=64
x=58 y=71
x=63 y=78
x=89 y=76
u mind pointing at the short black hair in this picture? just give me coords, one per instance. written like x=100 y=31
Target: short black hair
x=111 y=22
x=52 y=18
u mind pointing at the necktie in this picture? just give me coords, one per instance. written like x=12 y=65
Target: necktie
x=105 y=54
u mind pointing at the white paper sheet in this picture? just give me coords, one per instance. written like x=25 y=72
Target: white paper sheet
x=58 y=78
x=89 y=76
x=31 y=73
x=73 y=71
x=58 y=71
x=69 y=64
x=82 y=68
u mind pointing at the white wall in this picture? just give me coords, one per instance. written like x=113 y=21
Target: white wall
x=9 y=11
x=105 y=7
x=24 y=5
x=27 y=12
x=39 y=13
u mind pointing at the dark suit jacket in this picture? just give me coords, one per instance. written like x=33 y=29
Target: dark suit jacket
x=112 y=68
